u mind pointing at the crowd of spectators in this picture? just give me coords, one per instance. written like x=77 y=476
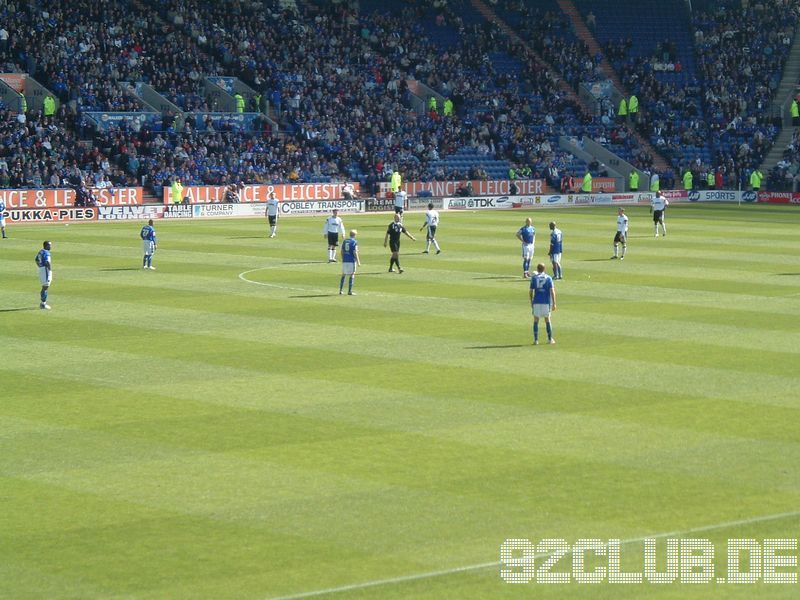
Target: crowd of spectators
x=82 y=50
x=721 y=119
x=334 y=75
x=38 y=151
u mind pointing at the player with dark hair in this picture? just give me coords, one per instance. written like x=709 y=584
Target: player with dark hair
x=45 y=273
x=432 y=223
x=149 y=244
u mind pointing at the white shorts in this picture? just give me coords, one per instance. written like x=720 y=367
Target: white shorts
x=45 y=275
x=541 y=310
x=149 y=247
x=348 y=268
x=556 y=258
x=527 y=251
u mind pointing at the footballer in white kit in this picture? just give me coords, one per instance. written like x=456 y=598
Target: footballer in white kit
x=432 y=223
x=621 y=237
x=272 y=214
x=333 y=227
x=658 y=206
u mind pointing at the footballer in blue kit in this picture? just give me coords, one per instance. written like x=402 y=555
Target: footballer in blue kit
x=45 y=273
x=148 y=235
x=542 y=295
x=3 y=218
x=527 y=235
x=350 y=260
x=556 y=245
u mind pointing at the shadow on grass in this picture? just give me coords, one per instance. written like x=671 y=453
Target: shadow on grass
x=496 y=347
x=787 y=274
x=315 y=296
x=3 y=310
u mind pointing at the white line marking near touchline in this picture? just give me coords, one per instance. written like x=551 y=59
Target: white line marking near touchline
x=496 y=564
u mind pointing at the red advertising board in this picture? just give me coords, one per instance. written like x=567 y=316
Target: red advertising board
x=299 y=192
x=779 y=197
x=65 y=198
x=496 y=187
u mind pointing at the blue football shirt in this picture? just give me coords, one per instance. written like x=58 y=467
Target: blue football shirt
x=349 y=247
x=541 y=284
x=527 y=233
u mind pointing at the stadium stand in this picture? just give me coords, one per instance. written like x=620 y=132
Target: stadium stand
x=333 y=75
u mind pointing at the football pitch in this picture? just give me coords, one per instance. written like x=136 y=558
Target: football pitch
x=229 y=426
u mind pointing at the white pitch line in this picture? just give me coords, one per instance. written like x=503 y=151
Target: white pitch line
x=328 y=291
x=274 y=285
x=496 y=564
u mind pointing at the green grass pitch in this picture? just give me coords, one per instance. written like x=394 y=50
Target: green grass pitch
x=197 y=432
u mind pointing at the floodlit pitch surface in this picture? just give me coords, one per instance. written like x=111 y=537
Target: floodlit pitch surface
x=188 y=432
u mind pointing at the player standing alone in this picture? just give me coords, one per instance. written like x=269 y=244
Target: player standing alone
x=148 y=235
x=45 y=273
x=554 y=252
x=400 y=203
x=658 y=206
x=350 y=260
x=542 y=295
x=431 y=222
x=3 y=218
x=333 y=226
x=272 y=214
x=621 y=237
x=393 y=233
x=527 y=235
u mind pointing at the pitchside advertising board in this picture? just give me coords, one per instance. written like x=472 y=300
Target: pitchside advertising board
x=51 y=215
x=497 y=187
x=65 y=198
x=206 y=194
x=778 y=197
x=542 y=201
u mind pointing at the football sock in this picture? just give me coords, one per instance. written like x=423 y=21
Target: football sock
x=615 y=249
x=427 y=245
x=549 y=330
x=341 y=283
x=350 y=286
x=144 y=260
x=536 y=331
x=624 y=247
x=272 y=230
x=435 y=243
x=43 y=296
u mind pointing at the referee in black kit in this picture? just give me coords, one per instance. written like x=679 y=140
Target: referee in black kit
x=392 y=237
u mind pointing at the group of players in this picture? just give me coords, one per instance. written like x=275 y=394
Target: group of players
x=542 y=292
x=350 y=257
